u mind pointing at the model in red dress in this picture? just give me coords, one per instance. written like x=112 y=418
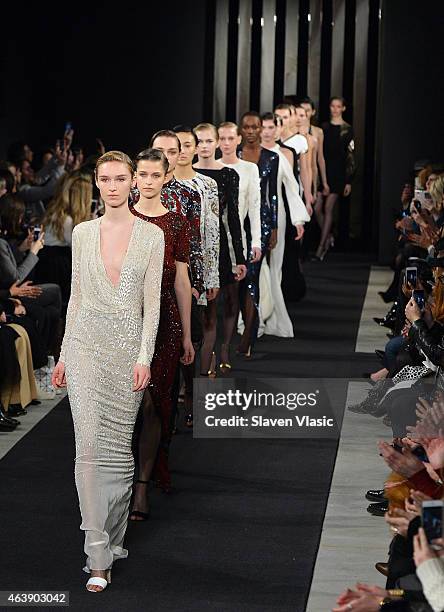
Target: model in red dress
x=173 y=336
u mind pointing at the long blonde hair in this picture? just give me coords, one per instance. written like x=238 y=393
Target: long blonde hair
x=73 y=199
x=436 y=190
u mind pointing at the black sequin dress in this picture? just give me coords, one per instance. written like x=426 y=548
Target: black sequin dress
x=227 y=181
x=268 y=165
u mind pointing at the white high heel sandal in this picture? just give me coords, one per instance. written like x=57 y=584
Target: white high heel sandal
x=100 y=582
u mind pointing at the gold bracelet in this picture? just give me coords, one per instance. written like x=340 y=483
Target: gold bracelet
x=396 y=592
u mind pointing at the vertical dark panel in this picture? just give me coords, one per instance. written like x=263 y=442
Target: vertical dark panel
x=349 y=57
x=210 y=36
x=304 y=33
x=326 y=47
x=370 y=204
x=347 y=92
x=279 y=52
x=256 y=53
x=233 y=28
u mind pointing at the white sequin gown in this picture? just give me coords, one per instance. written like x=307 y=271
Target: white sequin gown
x=108 y=329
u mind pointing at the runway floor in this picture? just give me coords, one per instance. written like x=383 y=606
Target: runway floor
x=243 y=529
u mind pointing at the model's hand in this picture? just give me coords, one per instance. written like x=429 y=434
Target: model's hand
x=347 y=190
x=188 y=351
x=299 y=232
x=256 y=253
x=26 y=289
x=326 y=190
x=309 y=208
x=240 y=273
x=212 y=293
x=141 y=377
x=58 y=378
x=273 y=239
x=196 y=293
x=309 y=199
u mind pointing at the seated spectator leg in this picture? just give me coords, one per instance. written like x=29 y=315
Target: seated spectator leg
x=26 y=390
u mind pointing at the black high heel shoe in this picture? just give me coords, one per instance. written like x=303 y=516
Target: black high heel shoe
x=390 y=318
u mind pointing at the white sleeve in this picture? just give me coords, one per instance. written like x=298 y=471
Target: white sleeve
x=298 y=212
x=431 y=575
x=254 y=205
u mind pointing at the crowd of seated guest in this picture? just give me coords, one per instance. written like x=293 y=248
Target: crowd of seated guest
x=408 y=394
x=39 y=209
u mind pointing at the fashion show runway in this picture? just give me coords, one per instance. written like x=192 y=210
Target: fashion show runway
x=242 y=531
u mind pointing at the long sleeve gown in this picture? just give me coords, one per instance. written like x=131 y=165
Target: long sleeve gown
x=109 y=328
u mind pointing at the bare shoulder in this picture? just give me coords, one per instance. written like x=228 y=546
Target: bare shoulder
x=317 y=131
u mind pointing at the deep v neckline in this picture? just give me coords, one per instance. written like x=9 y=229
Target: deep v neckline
x=124 y=260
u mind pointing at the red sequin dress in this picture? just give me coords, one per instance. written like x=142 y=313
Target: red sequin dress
x=168 y=346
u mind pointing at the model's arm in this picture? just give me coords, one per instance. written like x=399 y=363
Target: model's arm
x=75 y=299
x=151 y=300
x=298 y=212
x=233 y=217
x=211 y=237
x=305 y=177
x=350 y=167
x=254 y=206
x=182 y=288
x=193 y=212
x=310 y=154
x=321 y=163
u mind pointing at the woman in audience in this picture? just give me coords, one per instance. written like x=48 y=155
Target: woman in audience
x=14 y=275
x=70 y=206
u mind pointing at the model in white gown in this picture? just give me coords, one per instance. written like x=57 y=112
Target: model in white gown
x=274 y=316
x=109 y=328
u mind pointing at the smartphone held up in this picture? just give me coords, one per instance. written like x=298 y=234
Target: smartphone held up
x=432 y=520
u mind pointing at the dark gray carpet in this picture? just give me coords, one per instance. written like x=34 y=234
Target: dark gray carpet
x=242 y=530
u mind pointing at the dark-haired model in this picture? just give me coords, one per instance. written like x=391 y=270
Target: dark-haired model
x=174 y=334
x=268 y=164
x=339 y=159
x=227 y=181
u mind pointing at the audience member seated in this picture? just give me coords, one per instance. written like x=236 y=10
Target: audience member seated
x=70 y=206
x=18 y=257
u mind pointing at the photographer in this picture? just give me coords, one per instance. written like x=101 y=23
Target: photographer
x=34 y=190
